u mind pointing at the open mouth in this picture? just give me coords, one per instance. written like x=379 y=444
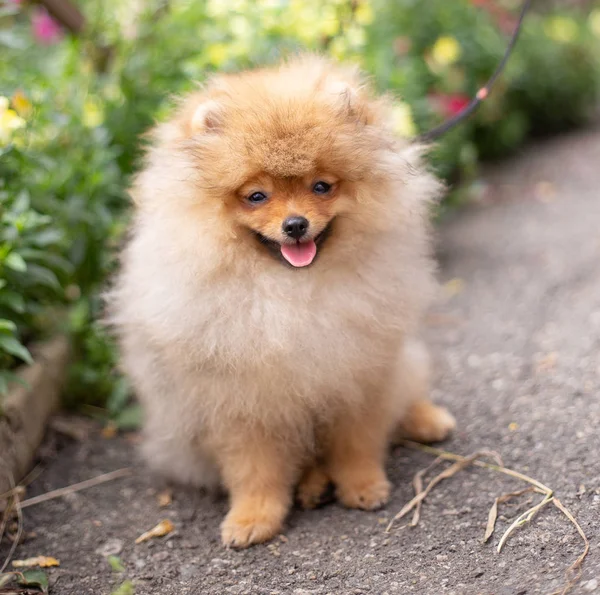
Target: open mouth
x=298 y=254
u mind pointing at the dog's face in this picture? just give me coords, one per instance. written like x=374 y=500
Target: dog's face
x=291 y=217
x=286 y=152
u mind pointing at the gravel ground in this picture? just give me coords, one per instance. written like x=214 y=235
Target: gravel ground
x=516 y=342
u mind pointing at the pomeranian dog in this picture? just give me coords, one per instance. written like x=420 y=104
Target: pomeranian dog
x=270 y=294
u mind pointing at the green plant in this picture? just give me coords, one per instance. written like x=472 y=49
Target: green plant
x=61 y=194
x=437 y=58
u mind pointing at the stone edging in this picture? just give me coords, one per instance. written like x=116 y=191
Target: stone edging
x=25 y=410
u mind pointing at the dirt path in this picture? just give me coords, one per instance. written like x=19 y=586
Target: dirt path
x=518 y=361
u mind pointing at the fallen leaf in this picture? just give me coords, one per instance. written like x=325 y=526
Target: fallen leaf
x=165 y=498
x=35 y=578
x=109 y=430
x=127 y=588
x=163 y=528
x=116 y=564
x=41 y=561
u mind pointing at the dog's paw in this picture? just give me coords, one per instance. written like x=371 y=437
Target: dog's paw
x=426 y=422
x=312 y=488
x=366 y=494
x=243 y=528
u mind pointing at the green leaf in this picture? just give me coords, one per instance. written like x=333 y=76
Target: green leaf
x=21 y=203
x=118 y=398
x=34 y=578
x=116 y=564
x=38 y=275
x=127 y=588
x=7 y=326
x=14 y=347
x=130 y=418
x=12 y=300
x=49 y=259
x=47 y=237
x=16 y=262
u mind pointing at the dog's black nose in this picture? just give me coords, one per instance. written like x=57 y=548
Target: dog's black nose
x=295 y=227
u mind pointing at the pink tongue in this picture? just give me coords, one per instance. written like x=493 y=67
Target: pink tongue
x=300 y=254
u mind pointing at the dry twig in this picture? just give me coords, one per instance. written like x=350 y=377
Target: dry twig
x=418 y=486
x=493 y=514
x=574 y=571
x=460 y=462
x=459 y=465
x=77 y=487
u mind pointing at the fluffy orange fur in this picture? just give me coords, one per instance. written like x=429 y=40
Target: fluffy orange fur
x=253 y=374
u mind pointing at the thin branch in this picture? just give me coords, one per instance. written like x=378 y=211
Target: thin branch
x=524 y=518
x=575 y=569
x=84 y=485
x=459 y=465
x=493 y=514
x=449 y=456
x=573 y=572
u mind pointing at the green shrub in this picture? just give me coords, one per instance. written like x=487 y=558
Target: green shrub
x=61 y=192
x=450 y=49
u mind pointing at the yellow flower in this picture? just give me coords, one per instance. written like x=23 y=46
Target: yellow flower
x=93 y=115
x=594 y=22
x=445 y=51
x=561 y=29
x=402 y=120
x=9 y=121
x=217 y=53
x=22 y=104
x=363 y=14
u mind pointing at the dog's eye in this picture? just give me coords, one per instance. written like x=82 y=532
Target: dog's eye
x=256 y=198
x=321 y=187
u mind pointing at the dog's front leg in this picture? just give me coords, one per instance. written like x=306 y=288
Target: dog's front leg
x=356 y=457
x=259 y=470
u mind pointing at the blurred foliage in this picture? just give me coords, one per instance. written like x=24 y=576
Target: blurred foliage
x=72 y=112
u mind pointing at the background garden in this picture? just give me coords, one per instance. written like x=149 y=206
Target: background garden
x=75 y=98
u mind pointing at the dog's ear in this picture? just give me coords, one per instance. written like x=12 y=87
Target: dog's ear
x=341 y=94
x=347 y=95
x=205 y=117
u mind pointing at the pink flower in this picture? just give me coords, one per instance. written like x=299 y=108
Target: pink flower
x=449 y=104
x=45 y=29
